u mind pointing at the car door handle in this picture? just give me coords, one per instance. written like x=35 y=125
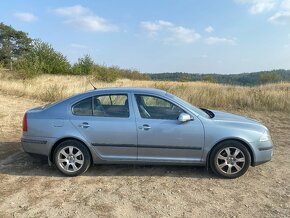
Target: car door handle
x=84 y=125
x=146 y=127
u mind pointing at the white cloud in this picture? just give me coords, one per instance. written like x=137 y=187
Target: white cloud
x=92 y=24
x=170 y=32
x=25 y=16
x=157 y=25
x=84 y=19
x=285 y=5
x=165 y=23
x=259 y=6
x=281 y=17
x=181 y=34
x=220 y=40
x=209 y=29
x=151 y=26
x=72 y=11
x=281 y=14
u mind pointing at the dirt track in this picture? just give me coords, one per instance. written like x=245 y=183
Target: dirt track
x=29 y=187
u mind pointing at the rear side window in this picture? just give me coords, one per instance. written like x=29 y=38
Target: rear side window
x=111 y=106
x=83 y=108
x=113 y=99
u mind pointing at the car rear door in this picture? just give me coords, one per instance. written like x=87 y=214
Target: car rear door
x=161 y=137
x=110 y=128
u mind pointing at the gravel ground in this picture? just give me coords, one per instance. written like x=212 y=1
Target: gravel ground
x=29 y=187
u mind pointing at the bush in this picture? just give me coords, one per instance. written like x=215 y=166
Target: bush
x=27 y=67
x=130 y=74
x=50 y=61
x=105 y=74
x=41 y=59
x=210 y=79
x=84 y=66
x=269 y=77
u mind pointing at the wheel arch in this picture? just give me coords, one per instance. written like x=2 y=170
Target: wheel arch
x=59 y=141
x=231 y=139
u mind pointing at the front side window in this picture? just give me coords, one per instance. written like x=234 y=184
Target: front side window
x=151 y=107
x=83 y=108
x=111 y=106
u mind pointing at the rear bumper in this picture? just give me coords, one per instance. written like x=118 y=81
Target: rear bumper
x=37 y=145
x=263 y=152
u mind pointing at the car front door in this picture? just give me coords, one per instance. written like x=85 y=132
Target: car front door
x=161 y=137
x=108 y=124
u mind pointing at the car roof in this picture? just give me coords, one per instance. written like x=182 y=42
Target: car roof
x=103 y=91
x=131 y=89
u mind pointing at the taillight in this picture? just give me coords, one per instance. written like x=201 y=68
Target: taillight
x=24 y=123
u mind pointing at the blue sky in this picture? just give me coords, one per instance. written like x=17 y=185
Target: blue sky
x=209 y=36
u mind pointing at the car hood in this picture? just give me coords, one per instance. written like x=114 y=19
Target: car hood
x=224 y=117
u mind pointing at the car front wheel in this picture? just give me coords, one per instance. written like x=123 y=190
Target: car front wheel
x=72 y=158
x=230 y=159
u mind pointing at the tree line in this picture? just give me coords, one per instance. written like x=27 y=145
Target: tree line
x=248 y=79
x=27 y=58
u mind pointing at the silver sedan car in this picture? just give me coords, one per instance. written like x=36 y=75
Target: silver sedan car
x=143 y=126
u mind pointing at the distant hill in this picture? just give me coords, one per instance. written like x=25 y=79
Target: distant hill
x=246 y=79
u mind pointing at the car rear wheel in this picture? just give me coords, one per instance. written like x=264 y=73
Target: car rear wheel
x=72 y=158
x=230 y=159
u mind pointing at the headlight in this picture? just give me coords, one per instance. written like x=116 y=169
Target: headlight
x=265 y=137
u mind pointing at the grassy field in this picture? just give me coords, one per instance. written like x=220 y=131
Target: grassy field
x=30 y=188
x=48 y=88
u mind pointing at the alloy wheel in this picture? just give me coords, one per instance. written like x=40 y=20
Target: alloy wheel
x=70 y=158
x=230 y=160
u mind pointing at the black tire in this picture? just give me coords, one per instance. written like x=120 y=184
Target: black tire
x=224 y=163
x=62 y=162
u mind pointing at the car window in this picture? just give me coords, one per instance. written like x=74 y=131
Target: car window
x=111 y=106
x=151 y=107
x=188 y=105
x=83 y=108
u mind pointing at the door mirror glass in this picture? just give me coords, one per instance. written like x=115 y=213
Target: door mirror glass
x=184 y=117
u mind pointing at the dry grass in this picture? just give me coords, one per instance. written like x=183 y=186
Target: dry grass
x=30 y=188
x=272 y=97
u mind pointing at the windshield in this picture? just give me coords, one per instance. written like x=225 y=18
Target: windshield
x=188 y=105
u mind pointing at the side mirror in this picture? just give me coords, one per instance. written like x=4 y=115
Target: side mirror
x=183 y=117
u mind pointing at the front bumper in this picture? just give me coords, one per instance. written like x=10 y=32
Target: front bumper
x=263 y=152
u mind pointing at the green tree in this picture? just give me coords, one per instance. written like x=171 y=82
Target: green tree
x=184 y=78
x=131 y=74
x=84 y=66
x=269 y=77
x=42 y=58
x=28 y=66
x=13 y=44
x=210 y=78
x=50 y=60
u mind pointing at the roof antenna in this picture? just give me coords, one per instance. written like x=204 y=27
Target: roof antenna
x=93 y=85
